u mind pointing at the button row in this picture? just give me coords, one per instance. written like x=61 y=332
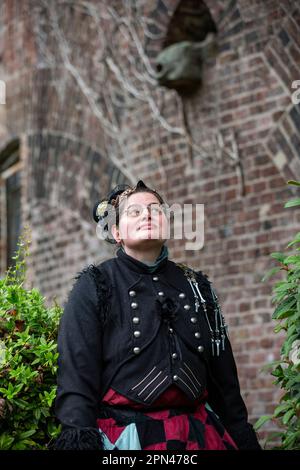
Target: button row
x=132 y=293
x=193 y=320
x=136 y=320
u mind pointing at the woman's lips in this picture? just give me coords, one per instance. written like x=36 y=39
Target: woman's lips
x=146 y=226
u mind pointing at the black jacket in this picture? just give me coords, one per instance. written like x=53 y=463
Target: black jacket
x=138 y=332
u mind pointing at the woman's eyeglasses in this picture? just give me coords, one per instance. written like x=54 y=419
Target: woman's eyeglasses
x=136 y=210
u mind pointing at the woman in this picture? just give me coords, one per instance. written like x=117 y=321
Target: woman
x=144 y=357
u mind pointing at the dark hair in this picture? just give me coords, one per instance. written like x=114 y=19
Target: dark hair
x=107 y=211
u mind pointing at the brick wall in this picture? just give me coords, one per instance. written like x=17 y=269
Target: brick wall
x=75 y=147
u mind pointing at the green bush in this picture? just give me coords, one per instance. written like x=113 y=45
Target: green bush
x=287 y=370
x=28 y=360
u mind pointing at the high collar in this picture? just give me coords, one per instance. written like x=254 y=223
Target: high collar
x=138 y=266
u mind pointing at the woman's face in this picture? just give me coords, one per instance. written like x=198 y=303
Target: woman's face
x=142 y=221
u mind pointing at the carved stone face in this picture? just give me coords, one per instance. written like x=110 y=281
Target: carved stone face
x=180 y=65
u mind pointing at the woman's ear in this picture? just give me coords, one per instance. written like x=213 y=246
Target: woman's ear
x=116 y=233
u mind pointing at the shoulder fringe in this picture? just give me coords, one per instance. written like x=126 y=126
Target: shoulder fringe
x=102 y=288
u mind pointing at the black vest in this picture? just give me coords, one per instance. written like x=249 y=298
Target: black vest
x=153 y=337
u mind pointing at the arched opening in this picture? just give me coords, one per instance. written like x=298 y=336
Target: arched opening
x=190 y=42
x=10 y=203
x=191 y=21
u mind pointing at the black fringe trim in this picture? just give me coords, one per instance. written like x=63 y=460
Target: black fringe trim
x=103 y=291
x=78 y=439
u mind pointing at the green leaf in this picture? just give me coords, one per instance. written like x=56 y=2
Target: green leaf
x=53 y=429
x=295 y=240
x=285 y=308
x=295 y=183
x=280 y=409
x=37 y=413
x=6 y=441
x=292 y=259
x=290 y=439
x=262 y=420
x=278 y=372
x=278 y=256
x=270 y=273
x=21 y=403
x=278 y=328
x=26 y=434
x=287 y=416
x=292 y=203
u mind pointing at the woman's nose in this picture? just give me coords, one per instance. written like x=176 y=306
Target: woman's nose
x=148 y=209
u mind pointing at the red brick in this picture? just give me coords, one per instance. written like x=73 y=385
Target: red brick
x=233 y=97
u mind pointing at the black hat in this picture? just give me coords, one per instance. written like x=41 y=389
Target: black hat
x=141 y=184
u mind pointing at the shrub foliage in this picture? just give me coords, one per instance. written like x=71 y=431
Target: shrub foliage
x=28 y=360
x=287 y=370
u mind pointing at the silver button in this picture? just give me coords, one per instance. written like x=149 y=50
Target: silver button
x=187 y=307
x=155 y=278
x=194 y=320
x=132 y=293
x=161 y=294
x=136 y=334
x=171 y=330
x=136 y=350
x=174 y=356
x=134 y=305
x=182 y=295
x=200 y=348
x=175 y=377
x=136 y=320
x=197 y=334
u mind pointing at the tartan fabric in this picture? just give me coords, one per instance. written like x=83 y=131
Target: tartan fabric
x=186 y=425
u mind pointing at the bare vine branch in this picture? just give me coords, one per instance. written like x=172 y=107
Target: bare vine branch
x=131 y=73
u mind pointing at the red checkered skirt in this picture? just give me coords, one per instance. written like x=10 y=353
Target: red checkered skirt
x=173 y=423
